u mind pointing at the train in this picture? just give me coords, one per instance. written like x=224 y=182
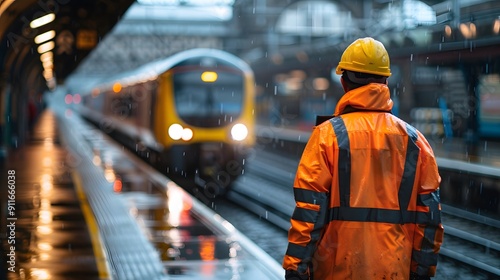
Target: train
x=191 y=115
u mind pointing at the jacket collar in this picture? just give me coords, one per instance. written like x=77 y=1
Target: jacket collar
x=371 y=97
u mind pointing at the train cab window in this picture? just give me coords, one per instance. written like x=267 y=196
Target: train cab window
x=208 y=104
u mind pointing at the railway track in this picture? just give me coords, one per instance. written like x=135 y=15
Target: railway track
x=471 y=246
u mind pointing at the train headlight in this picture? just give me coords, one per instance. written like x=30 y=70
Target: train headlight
x=239 y=132
x=176 y=132
x=187 y=134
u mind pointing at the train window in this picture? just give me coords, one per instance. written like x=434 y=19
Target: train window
x=123 y=107
x=216 y=102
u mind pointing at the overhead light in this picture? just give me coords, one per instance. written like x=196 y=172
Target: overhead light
x=447 y=30
x=48 y=64
x=47 y=56
x=48 y=74
x=321 y=84
x=45 y=36
x=468 y=30
x=51 y=83
x=42 y=20
x=496 y=26
x=46 y=47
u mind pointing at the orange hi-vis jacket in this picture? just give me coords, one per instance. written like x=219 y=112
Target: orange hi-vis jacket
x=367 y=196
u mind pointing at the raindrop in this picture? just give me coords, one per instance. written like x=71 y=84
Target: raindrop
x=275 y=90
x=266 y=215
x=485 y=145
x=411 y=57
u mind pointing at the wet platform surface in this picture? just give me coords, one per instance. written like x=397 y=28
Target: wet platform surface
x=192 y=241
x=48 y=235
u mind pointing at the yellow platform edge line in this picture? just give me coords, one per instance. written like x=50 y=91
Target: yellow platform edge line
x=97 y=244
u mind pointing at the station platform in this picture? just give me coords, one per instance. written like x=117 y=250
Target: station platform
x=47 y=233
x=78 y=209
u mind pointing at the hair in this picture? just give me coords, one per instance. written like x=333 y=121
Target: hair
x=357 y=79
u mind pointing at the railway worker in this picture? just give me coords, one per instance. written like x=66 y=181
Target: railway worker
x=367 y=186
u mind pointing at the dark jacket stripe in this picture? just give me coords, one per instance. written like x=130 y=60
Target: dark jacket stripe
x=308 y=196
x=344 y=163
x=296 y=251
x=365 y=215
x=376 y=215
x=408 y=178
x=305 y=215
x=431 y=200
x=425 y=259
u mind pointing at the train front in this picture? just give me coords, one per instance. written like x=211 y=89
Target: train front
x=205 y=118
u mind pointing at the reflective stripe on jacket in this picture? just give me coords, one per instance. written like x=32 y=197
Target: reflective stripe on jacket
x=367 y=195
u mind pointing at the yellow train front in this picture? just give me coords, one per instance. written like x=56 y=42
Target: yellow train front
x=191 y=115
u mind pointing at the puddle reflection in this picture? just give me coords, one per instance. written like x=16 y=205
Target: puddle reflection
x=168 y=221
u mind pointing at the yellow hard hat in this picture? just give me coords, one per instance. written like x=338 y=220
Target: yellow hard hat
x=365 y=55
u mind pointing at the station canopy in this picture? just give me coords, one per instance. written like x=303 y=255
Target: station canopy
x=188 y=10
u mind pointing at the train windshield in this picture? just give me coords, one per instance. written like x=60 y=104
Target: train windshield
x=214 y=102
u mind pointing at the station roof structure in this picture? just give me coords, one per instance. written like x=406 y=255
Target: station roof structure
x=97 y=37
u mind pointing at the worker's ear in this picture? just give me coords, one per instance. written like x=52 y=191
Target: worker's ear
x=344 y=85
